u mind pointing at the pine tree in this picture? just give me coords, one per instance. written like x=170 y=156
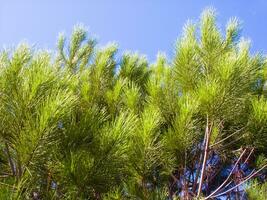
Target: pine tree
x=85 y=124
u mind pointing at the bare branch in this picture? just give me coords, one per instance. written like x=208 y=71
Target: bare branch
x=206 y=152
x=248 y=178
x=215 y=191
x=219 y=142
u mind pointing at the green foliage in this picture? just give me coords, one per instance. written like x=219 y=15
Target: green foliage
x=88 y=125
x=257 y=191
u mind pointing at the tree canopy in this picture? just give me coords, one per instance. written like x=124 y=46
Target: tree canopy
x=85 y=123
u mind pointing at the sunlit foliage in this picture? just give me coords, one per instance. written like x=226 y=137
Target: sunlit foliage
x=88 y=124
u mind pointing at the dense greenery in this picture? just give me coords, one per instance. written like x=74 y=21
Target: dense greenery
x=85 y=124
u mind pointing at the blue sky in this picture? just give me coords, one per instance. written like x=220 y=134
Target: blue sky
x=146 y=26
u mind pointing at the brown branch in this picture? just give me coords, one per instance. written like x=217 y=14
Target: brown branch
x=197 y=173
x=246 y=179
x=215 y=191
x=232 y=142
x=206 y=152
x=222 y=140
x=249 y=155
x=174 y=178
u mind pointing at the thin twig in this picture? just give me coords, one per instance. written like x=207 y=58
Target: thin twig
x=248 y=177
x=222 y=140
x=249 y=155
x=232 y=142
x=206 y=152
x=198 y=171
x=215 y=191
x=11 y=186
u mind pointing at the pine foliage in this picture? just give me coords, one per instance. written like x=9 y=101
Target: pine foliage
x=85 y=124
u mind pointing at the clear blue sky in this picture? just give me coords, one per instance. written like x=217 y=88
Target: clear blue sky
x=146 y=26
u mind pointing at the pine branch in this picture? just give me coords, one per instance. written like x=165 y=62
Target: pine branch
x=224 y=139
x=229 y=176
x=236 y=186
x=206 y=152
